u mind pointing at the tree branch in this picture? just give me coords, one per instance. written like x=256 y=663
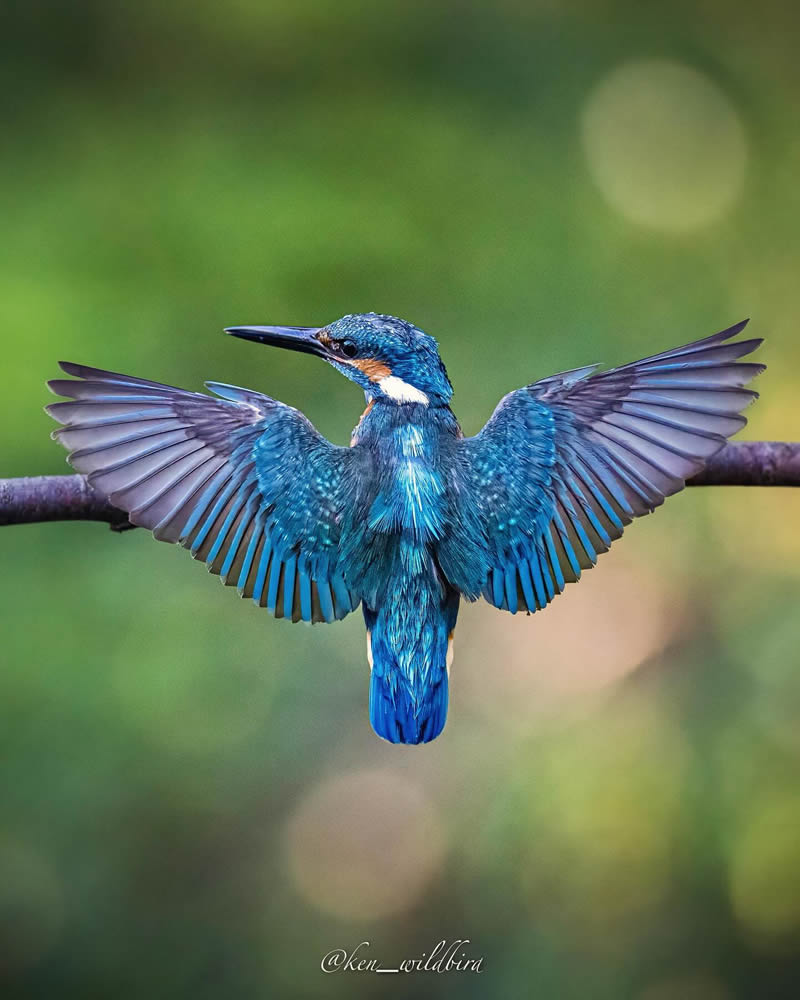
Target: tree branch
x=752 y=463
x=57 y=498
x=71 y=498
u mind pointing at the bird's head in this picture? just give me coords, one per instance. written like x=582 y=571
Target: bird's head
x=388 y=357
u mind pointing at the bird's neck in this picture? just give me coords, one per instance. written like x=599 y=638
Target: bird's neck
x=382 y=417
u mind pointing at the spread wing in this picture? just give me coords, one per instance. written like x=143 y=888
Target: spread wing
x=564 y=464
x=245 y=483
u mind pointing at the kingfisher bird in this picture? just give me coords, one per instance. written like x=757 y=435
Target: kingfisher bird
x=413 y=515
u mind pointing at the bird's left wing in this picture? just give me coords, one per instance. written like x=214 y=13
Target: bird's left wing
x=564 y=464
x=246 y=483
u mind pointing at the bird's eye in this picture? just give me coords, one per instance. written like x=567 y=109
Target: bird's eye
x=349 y=349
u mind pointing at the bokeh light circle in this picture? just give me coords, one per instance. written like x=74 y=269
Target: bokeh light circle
x=364 y=845
x=665 y=146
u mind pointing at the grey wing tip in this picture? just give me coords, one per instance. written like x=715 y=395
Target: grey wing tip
x=736 y=328
x=52 y=385
x=748 y=346
x=70 y=367
x=49 y=410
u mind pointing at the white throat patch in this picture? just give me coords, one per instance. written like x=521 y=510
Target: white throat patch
x=402 y=392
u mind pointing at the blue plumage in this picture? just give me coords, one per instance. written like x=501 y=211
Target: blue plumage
x=412 y=515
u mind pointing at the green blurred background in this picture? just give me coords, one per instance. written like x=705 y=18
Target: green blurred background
x=193 y=803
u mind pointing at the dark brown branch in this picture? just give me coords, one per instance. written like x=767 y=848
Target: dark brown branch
x=71 y=498
x=57 y=498
x=753 y=463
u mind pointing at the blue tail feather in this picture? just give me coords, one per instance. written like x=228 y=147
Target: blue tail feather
x=397 y=717
x=408 y=691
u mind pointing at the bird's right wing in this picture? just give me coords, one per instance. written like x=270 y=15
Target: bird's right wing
x=246 y=483
x=564 y=464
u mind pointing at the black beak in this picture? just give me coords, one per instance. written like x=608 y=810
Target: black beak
x=294 y=338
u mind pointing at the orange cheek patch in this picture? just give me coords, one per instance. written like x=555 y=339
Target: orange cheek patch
x=374 y=370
